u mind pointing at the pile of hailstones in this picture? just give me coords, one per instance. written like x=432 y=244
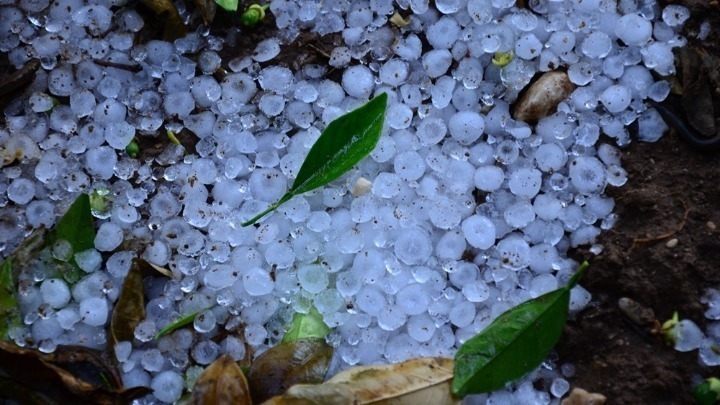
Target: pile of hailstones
x=460 y=212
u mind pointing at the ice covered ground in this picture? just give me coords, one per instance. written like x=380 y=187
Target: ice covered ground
x=460 y=213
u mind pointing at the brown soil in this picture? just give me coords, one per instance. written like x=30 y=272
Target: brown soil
x=668 y=181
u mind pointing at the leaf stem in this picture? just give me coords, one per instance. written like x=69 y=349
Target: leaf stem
x=269 y=209
x=578 y=274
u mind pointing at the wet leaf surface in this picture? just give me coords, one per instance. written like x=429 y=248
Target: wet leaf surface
x=308 y=325
x=221 y=383
x=514 y=344
x=9 y=311
x=417 y=381
x=342 y=145
x=29 y=376
x=130 y=307
x=302 y=361
x=166 y=11
x=207 y=10
x=77 y=225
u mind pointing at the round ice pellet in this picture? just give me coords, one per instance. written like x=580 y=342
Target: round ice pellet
x=55 y=292
x=167 y=386
x=21 y=191
x=488 y=178
x=587 y=174
x=633 y=30
x=108 y=237
x=479 y=231
x=466 y=126
x=94 y=311
x=525 y=182
x=358 y=81
x=313 y=278
x=257 y=282
x=413 y=247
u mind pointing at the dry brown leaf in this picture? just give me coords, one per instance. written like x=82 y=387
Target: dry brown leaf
x=221 y=383
x=28 y=375
x=302 y=361
x=418 y=381
x=165 y=9
x=543 y=96
x=207 y=10
x=130 y=307
x=165 y=272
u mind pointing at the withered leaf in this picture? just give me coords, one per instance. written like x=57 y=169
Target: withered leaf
x=174 y=27
x=27 y=375
x=207 y=10
x=130 y=307
x=221 y=383
x=165 y=272
x=302 y=361
x=418 y=381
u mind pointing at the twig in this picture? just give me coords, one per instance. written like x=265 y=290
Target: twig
x=666 y=234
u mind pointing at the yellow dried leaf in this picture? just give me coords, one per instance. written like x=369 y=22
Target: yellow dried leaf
x=418 y=381
x=221 y=383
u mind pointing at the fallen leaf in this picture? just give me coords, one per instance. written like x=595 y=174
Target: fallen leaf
x=302 y=361
x=130 y=307
x=207 y=10
x=174 y=27
x=165 y=272
x=417 y=381
x=221 y=383
x=28 y=375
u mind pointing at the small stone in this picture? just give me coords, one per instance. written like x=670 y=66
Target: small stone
x=362 y=186
x=579 y=396
x=672 y=243
x=711 y=225
x=543 y=96
x=637 y=313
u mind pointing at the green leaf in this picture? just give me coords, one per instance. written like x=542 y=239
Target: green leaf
x=308 y=325
x=229 y=5
x=514 y=344
x=185 y=320
x=9 y=313
x=343 y=144
x=77 y=225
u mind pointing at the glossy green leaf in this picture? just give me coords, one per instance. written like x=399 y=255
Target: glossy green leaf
x=77 y=225
x=185 y=320
x=514 y=344
x=308 y=325
x=229 y=5
x=343 y=144
x=302 y=361
x=9 y=312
